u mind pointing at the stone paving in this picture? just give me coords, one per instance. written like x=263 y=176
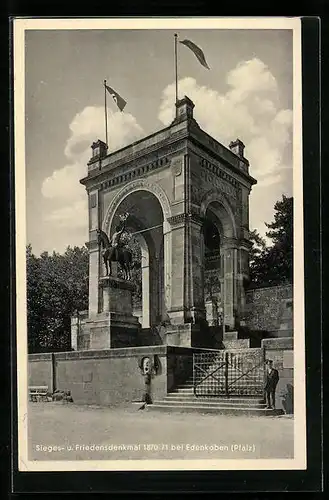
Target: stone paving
x=65 y=431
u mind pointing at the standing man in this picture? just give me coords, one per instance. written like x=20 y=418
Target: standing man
x=272 y=379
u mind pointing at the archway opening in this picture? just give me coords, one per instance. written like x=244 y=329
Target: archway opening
x=212 y=288
x=216 y=227
x=219 y=228
x=144 y=236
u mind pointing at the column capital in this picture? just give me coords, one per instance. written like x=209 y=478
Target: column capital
x=196 y=218
x=230 y=243
x=245 y=244
x=178 y=219
x=182 y=218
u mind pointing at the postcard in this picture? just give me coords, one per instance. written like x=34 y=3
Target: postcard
x=159 y=244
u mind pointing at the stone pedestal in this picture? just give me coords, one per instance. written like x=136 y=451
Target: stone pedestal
x=189 y=335
x=115 y=326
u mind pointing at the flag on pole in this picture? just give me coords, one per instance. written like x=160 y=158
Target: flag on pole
x=197 y=52
x=119 y=101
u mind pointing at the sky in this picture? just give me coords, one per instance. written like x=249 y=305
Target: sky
x=247 y=93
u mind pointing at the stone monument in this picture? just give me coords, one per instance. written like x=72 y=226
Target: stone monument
x=187 y=197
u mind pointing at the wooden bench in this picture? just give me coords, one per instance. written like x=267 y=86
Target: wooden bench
x=38 y=392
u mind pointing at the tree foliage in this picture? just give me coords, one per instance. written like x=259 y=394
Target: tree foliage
x=273 y=264
x=258 y=246
x=57 y=286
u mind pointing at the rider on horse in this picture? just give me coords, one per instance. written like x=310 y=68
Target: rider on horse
x=115 y=250
x=115 y=241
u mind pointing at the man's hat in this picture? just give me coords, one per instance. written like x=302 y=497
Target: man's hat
x=268 y=361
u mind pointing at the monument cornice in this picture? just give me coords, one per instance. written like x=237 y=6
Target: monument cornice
x=185 y=137
x=137 y=160
x=218 y=171
x=220 y=153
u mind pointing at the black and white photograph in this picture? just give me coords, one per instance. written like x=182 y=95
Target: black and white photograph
x=159 y=244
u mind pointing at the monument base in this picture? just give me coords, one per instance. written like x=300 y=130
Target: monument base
x=112 y=330
x=189 y=335
x=115 y=326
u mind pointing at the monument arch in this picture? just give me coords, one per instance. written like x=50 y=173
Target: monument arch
x=174 y=184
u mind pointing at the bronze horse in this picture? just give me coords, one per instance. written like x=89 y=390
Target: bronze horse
x=111 y=254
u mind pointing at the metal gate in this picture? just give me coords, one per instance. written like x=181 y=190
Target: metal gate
x=229 y=373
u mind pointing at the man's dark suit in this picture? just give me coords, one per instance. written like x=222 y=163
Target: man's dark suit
x=272 y=379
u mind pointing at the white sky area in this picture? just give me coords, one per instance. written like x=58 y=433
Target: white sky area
x=246 y=94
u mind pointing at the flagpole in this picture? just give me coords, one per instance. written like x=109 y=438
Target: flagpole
x=176 y=76
x=105 y=113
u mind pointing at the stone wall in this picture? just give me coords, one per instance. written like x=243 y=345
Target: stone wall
x=280 y=350
x=109 y=377
x=270 y=310
x=40 y=369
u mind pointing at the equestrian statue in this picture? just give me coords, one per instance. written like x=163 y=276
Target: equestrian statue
x=115 y=251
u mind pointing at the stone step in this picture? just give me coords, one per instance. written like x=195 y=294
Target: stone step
x=223 y=410
x=213 y=404
x=253 y=389
x=221 y=399
x=182 y=390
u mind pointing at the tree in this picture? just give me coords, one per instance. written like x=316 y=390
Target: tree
x=57 y=286
x=281 y=232
x=258 y=246
x=273 y=265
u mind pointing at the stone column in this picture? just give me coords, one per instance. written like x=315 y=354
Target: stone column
x=195 y=270
x=94 y=210
x=176 y=311
x=229 y=280
x=153 y=290
x=146 y=283
x=74 y=332
x=145 y=294
x=167 y=264
x=242 y=274
x=187 y=313
x=94 y=266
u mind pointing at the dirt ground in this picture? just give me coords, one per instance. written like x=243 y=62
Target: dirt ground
x=64 y=431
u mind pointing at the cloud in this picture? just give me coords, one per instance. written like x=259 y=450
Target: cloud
x=249 y=110
x=64 y=216
x=63 y=187
x=89 y=125
x=250 y=77
x=64 y=183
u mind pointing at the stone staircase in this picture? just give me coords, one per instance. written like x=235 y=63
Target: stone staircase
x=182 y=399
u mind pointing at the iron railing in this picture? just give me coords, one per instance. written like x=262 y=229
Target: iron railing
x=229 y=373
